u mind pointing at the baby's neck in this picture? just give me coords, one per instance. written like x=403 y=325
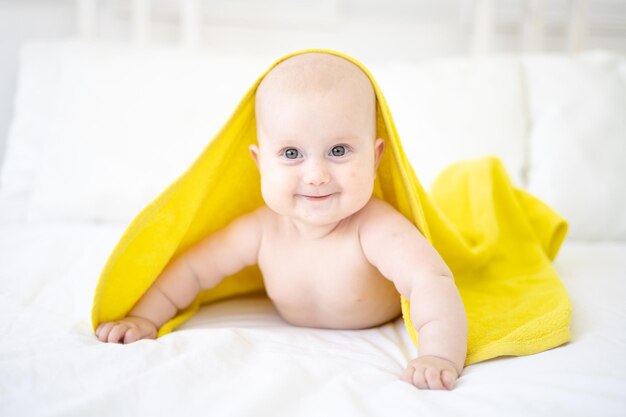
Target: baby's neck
x=312 y=231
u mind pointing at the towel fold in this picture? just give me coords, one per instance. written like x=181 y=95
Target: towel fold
x=497 y=240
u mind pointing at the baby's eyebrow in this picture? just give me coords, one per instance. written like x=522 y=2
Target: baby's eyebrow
x=279 y=143
x=347 y=139
x=344 y=138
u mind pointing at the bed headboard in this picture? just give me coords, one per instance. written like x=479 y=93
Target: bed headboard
x=480 y=19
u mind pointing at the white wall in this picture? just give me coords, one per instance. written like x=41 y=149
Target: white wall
x=410 y=29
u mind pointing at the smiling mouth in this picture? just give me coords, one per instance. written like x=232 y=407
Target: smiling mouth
x=316 y=197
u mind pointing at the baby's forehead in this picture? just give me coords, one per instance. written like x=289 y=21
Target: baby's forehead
x=286 y=90
x=315 y=72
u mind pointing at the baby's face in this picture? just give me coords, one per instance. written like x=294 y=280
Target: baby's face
x=317 y=154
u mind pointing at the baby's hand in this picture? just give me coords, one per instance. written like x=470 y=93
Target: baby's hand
x=128 y=330
x=430 y=372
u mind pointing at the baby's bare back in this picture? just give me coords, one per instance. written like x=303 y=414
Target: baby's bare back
x=324 y=282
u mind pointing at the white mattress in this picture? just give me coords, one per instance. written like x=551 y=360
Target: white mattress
x=239 y=358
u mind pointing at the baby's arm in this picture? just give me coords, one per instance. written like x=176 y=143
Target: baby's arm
x=203 y=266
x=402 y=254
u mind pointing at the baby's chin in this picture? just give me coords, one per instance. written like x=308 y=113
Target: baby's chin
x=320 y=211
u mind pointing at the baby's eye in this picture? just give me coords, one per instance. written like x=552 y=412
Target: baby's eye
x=338 y=150
x=291 y=153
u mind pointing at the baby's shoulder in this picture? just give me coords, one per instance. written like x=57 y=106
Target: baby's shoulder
x=378 y=216
x=377 y=209
x=265 y=217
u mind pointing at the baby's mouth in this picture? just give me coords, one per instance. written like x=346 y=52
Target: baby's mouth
x=316 y=197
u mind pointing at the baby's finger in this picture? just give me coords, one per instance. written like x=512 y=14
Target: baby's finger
x=103 y=331
x=407 y=375
x=448 y=379
x=132 y=335
x=117 y=333
x=433 y=378
x=419 y=379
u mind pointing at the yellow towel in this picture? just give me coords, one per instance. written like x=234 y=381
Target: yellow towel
x=497 y=240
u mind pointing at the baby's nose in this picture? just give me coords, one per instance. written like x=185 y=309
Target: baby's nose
x=316 y=173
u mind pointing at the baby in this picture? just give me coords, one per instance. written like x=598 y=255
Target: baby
x=331 y=254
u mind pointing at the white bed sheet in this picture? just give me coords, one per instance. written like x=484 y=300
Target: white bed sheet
x=239 y=358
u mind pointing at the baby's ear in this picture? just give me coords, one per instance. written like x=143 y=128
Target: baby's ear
x=379 y=148
x=254 y=152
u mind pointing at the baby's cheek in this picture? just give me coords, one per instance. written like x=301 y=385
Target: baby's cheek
x=357 y=174
x=362 y=177
x=276 y=192
x=269 y=188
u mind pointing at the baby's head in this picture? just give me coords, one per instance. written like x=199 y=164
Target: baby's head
x=316 y=128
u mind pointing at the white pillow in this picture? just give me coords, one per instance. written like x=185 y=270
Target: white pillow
x=578 y=140
x=34 y=109
x=124 y=123
x=455 y=109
